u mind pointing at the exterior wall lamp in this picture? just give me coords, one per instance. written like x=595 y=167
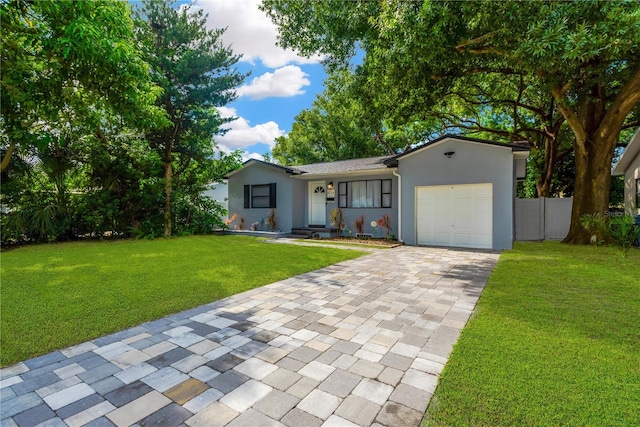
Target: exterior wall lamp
x=449 y=154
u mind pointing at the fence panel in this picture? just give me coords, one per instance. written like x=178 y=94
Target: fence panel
x=529 y=219
x=557 y=218
x=543 y=218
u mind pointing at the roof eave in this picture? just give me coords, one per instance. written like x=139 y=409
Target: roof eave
x=630 y=152
x=513 y=147
x=252 y=162
x=377 y=171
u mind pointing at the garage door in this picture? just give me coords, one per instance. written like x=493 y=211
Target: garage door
x=455 y=215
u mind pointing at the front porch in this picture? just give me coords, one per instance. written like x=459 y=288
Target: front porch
x=313 y=231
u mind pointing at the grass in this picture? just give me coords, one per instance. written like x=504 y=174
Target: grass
x=555 y=340
x=57 y=295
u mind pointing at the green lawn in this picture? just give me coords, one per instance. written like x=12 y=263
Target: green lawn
x=555 y=340
x=54 y=296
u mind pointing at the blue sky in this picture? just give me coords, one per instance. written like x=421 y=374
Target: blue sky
x=281 y=83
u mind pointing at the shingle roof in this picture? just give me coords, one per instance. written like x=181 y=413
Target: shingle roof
x=519 y=146
x=368 y=163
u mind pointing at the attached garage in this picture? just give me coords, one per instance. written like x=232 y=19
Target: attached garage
x=455 y=215
x=459 y=192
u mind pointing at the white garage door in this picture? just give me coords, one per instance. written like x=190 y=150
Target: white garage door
x=455 y=215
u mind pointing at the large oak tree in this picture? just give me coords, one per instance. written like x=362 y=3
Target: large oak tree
x=585 y=56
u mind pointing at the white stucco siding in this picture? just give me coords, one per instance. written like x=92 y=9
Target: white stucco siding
x=630 y=177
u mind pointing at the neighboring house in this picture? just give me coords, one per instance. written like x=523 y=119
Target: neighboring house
x=218 y=191
x=454 y=191
x=629 y=166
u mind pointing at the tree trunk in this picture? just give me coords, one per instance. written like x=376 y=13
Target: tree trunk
x=543 y=183
x=596 y=130
x=168 y=175
x=593 y=178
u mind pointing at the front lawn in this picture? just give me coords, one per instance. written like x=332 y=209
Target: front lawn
x=54 y=296
x=555 y=340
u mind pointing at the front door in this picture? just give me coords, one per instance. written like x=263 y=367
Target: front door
x=317 y=203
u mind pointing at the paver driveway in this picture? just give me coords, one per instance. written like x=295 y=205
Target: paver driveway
x=361 y=342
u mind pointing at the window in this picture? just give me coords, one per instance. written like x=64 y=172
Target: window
x=638 y=193
x=260 y=196
x=365 y=194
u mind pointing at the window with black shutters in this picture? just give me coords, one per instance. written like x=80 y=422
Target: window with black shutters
x=260 y=196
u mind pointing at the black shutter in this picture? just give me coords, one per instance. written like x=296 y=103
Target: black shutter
x=272 y=195
x=247 y=196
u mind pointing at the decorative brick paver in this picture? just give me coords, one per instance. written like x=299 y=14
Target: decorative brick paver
x=360 y=343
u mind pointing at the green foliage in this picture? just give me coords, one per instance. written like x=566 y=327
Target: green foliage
x=596 y=224
x=41 y=222
x=197 y=214
x=58 y=295
x=621 y=230
x=78 y=115
x=197 y=75
x=516 y=68
x=553 y=341
x=61 y=57
x=624 y=231
x=336 y=127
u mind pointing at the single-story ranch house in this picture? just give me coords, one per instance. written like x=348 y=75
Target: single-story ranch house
x=629 y=166
x=453 y=191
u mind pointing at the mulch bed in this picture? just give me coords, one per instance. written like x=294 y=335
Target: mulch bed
x=370 y=242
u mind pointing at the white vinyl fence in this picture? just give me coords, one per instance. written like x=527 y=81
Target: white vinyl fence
x=543 y=218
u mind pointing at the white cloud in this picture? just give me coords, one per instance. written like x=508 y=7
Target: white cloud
x=250 y=32
x=283 y=82
x=245 y=154
x=241 y=134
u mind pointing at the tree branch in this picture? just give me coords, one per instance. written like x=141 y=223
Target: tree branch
x=462 y=47
x=507 y=102
x=627 y=98
x=508 y=71
x=7 y=156
x=570 y=115
x=631 y=125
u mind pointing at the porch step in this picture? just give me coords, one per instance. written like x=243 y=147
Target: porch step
x=301 y=233
x=312 y=231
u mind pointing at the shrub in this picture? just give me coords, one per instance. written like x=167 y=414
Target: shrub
x=385 y=222
x=620 y=230
x=271 y=220
x=358 y=224
x=336 y=218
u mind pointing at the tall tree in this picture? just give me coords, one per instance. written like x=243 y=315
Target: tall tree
x=332 y=129
x=343 y=124
x=61 y=56
x=585 y=55
x=197 y=74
